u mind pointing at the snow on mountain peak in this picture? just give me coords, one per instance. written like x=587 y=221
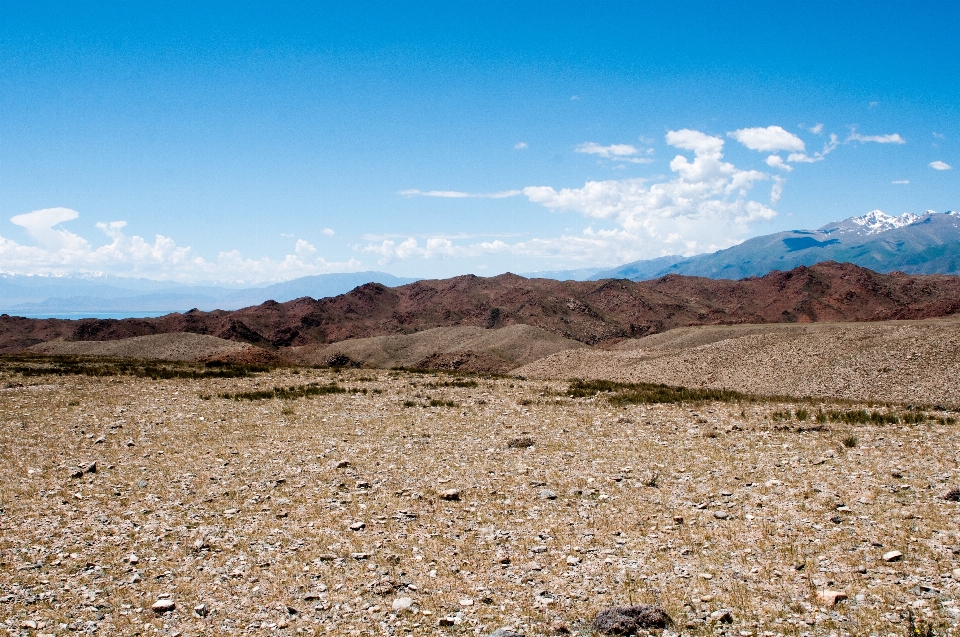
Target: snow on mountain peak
x=877 y=221
x=874 y=222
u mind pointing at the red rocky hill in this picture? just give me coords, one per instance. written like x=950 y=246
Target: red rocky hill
x=592 y=312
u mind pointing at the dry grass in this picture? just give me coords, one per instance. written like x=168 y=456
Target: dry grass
x=246 y=506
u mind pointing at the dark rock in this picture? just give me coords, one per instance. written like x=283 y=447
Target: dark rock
x=627 y=620
x=953 y=495
x=521 y=443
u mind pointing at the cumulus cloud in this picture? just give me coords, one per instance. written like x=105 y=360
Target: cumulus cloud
x=520 y=145
x=816 y=129
x=456 y=194
x=939 y=165
x=775 y=161
x=769 y=139
x=328 y=232
x=61 y=251
x=706 y=205
x=901 y=181
x=892 y=138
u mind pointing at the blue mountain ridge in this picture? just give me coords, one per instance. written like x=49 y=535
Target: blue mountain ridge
x=34 y=295
x=915 y=244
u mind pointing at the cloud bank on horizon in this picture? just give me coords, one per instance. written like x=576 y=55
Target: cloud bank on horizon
x=704 y=205
x=60 y=251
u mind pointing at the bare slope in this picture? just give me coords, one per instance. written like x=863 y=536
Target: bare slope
x=170 y=347
x=462 y=348
x=903 y=361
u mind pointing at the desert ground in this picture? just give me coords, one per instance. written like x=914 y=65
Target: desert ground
x=308 y=501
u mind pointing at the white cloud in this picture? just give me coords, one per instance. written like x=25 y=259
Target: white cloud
x=892 y=138
x=900 y=182
x=520 y=145
x=699 y=143
x=816 y=129
x=39 y=224
x=617 y=152
x=775 y=161
x=705 y=206
x=828 y=148
x=769 y=139
x=939 y=165
x=304 y=248
x=61 y=251
x=776 y=191
x=328 y=232
x=456 y=194
x=613 y=150
x=938 y=135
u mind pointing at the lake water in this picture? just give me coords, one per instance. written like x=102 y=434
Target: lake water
x=82 y=315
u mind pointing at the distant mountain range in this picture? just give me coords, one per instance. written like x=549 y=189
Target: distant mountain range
x=104 y=294
x=916 y=244
x=591 y=312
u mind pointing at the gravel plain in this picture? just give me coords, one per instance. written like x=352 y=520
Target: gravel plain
x=509 y=504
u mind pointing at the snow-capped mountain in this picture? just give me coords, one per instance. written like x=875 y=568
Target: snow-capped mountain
x=874 y=222
x=916 y=244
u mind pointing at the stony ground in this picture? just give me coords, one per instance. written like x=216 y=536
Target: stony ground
x=326 y=514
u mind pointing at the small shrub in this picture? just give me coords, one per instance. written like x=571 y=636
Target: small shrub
x=650 y=393
x=913 y=417
x=442 y=403
x=454 y=383
x=802 y=414
x=850 y=441
x=293 y=392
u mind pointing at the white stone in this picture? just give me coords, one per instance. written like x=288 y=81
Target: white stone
x=401 y=604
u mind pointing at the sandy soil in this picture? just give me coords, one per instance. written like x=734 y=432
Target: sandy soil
x=183 y=346
x=503 y=349
x=902 y=361
x=327 y=515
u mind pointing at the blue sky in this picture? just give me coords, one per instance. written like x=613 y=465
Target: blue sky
x=247 y=142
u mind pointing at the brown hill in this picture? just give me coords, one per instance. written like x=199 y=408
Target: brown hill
x=592 y=312
x=170 y=347
x=900 y=361
x=462 y=348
